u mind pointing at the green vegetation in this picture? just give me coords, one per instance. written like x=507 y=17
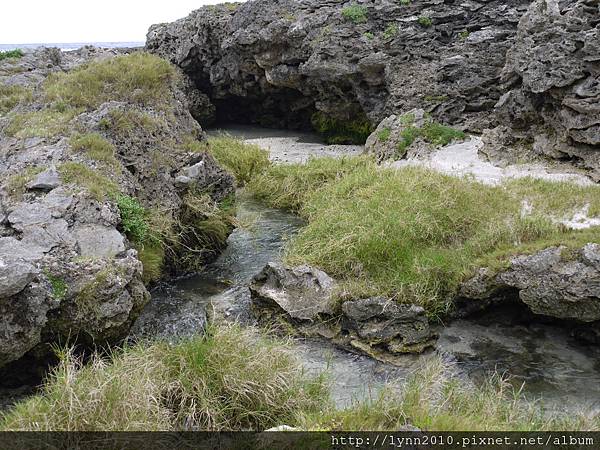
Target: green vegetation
x=412 y=234
x=370 y=36
x=98 y=185
x=11 y=96
x=43 y=123
x=390 y=31
x=425 y=21
x=123 y=122
x=96 y=147
x=244 y=161
x=355 y=13
x=134 y=218
x=238 y=379
x=232 y=379
x=59 y=287
x=338 y=131
x=137 y=78
x=464 y=34
x=405 y=2
x=384 y=135
x=11 y=54
x=431 y=132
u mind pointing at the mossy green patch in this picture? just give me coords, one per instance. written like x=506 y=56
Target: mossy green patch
x=59 y=286
x=355 y=13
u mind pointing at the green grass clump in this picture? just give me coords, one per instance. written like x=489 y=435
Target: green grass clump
x=123 y=122
x=137 y=78
x=17 y=53
x=425 y=21
x=231 y=379
x=244 y=161
x=16 y=185
x=152 y=256
x=98 y=185
x=384 y=135
x=338 y=131
x=43 y=123
x=11 y=96
x=390 y=31
x=410 y=234
x=96 y=147
x=59 y=286
x=431 y=132
x=355 y=13
x=288 y=186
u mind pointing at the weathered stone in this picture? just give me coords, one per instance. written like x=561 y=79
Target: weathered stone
x=555 y=282
x=385 y=141
x=552 y=80
x=303 y=293
x=98 y=241
x=15 y=275
x=46 y=181
x=382 y=322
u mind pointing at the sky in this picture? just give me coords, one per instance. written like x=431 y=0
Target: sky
x=65 y=21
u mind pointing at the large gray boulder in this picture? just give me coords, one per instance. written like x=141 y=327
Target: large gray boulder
x=276 y=63
x=556 y=282
x=551 y=107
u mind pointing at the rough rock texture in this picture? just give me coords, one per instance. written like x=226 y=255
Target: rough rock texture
x=304 y=296
x=381 y=323
x=67 y=267
x=303 y=293
x=555 y=282
x=385 y=141
x=277 y=62
x=552 y=82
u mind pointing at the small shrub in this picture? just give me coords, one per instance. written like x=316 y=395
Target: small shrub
x=384 y=135
x=338 y=131
x=425 y=21
x=355 y=13
x=134 y=218
x=96 y=147
x=244 y=161
x=390 y=31
x=11 y=54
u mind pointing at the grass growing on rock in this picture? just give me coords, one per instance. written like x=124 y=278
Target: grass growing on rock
x=232 y=379
x=11 y=96
x=17 y=53
x=244 y=161
x=355 y=13
x=99 y=186
x=137 y=78
x=43 y=123
x=96 y=147
x=338 y=131
x=410 y=234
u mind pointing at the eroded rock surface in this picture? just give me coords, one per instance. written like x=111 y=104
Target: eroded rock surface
x=552 y=81
x=556 y=282
x=69 y=270
x=276 y=63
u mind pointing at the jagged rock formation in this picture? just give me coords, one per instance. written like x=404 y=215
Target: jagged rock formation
x=305 y=297
x=556 y=282
x=552 y=78
x=278 y=62
x=70 y=269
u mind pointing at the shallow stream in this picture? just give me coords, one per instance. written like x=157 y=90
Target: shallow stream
x=552 y=365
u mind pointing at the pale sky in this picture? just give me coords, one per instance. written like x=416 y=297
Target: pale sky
x=64 y=21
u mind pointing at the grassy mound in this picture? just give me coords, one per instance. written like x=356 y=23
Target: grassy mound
x=413 y=234
x=238 y=379
x=234 y=379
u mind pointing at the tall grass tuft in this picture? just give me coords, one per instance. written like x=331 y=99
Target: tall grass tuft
x=244 y=161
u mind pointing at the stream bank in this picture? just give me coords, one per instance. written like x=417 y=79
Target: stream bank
x=542 y=355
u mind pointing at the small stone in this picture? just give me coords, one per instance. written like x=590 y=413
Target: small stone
x=98 y=241
x=46 y=181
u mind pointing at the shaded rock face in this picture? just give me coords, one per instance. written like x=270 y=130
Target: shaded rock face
x=552 y=79
x=555 y=282
x=304 y=297
x=277 y=62
x=68 y=271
